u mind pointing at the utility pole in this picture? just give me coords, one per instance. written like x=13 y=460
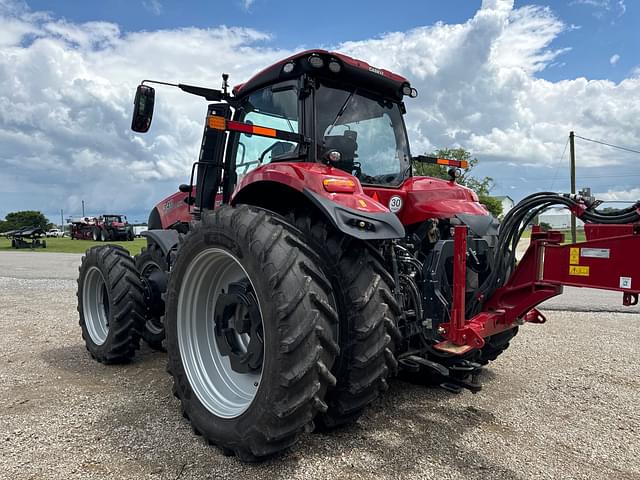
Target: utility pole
x=572 y=150
x=83 y=201
x=62 y=220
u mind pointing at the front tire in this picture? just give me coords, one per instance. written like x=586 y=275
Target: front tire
x=249 y=331
x=110 y=304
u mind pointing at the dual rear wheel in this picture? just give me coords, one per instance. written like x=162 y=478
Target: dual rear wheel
x=110 y=304
x=250 y=327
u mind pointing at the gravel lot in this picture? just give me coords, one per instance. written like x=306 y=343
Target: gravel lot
x=563 y=402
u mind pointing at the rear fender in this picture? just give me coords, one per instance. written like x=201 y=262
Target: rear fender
x=282 y=186
x=165 y=239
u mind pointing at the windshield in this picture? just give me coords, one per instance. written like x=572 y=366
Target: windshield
x=112 y=218
x=368 y=133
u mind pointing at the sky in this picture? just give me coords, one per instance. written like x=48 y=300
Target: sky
x=506 y=80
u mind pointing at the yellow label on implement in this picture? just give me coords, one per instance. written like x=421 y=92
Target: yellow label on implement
x=578 y=271
x=574 y=256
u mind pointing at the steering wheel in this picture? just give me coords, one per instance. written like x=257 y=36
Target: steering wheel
x=267 y=150
x=271 y=148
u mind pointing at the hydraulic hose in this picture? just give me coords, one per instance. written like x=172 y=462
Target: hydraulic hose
x=516 y=221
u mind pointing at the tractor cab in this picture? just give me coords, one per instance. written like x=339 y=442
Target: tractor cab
x=314 y=107
x=348 y=114
x=318 y=128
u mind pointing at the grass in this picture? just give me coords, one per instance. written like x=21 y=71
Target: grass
x=66 y=245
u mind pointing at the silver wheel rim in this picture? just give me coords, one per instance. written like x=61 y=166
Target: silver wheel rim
x=95 y=301
x=223 y=391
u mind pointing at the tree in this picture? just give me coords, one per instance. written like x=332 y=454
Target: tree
x=482 y=187
x=26 y=218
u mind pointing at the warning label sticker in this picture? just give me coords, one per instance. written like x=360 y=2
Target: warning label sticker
x=574 y=256
x=595 y=252
x=579 y=271
x=625 y=282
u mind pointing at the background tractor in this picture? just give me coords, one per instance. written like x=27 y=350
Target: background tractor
x=306 y=264
x=104 y=228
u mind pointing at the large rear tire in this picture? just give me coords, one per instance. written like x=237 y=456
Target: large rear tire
x=110 y=304
x=249 y=331
x=153 y=268
x=368 y=316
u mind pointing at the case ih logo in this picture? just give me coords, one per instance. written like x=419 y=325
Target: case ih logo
x=375 y=70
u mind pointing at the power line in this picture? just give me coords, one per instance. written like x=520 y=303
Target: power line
x=525 y=178
x=626 y=149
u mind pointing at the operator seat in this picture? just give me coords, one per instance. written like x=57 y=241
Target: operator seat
x=347 y=145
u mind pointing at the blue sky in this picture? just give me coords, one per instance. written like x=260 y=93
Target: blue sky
x=506 y=80
x=598 y=29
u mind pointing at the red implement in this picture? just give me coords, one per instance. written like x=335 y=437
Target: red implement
x=608 y=260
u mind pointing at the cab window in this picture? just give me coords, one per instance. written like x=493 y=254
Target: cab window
x=272 y=107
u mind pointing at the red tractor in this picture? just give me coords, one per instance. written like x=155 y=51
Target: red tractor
x=104 y=228
x=307 y=265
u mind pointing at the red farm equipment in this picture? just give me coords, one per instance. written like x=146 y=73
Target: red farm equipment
x=307 y=265
x=104 y=228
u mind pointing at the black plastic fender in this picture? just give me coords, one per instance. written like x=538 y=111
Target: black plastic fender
x=165 y=239
x=377 y=226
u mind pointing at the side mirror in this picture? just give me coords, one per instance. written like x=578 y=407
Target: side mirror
x=143 y=109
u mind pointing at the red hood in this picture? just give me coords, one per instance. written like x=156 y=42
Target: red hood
x=426 y=197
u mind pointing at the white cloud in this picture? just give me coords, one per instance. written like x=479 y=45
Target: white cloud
x=615 y=58
x=631 y=195
x=246 y=4
x=154 y=6
x=593 y=3
x=68 y=88
x=601 y=6
x=477 y=79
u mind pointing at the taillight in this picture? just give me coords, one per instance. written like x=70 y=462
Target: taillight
x=339 y=185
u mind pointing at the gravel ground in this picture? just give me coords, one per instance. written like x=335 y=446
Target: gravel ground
x=563 y=402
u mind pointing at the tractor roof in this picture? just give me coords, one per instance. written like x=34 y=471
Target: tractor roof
x=351 y=71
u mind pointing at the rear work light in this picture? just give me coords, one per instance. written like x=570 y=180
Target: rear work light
x=409 y=91
x=316 y=61
x=334 y=66
x=339 y=185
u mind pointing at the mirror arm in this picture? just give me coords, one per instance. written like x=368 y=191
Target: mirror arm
x=209 y=94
